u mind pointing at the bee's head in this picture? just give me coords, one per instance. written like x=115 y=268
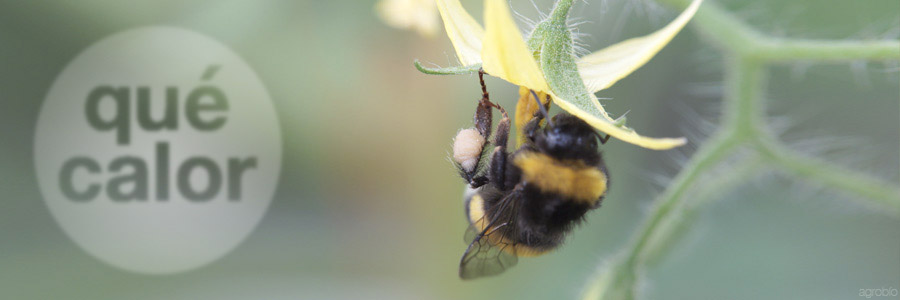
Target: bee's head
x=567 y=137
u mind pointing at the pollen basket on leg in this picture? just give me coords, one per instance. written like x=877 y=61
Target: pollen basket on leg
x=467 y=148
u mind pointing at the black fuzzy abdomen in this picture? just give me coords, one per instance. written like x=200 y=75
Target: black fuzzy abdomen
x=545 y=218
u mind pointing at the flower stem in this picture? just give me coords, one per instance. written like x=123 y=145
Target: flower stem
x=626 y=270
x=748 y=52
x=744 y=111
x=872 y=192
x=775 y=50
x=727 y=31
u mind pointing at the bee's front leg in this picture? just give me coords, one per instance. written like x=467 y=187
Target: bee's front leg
x=531 y=128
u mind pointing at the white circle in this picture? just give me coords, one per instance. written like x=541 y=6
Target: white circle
x=155 y=235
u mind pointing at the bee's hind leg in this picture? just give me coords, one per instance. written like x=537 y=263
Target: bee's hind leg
x=469 y=144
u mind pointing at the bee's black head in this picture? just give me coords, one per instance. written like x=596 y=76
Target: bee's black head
x=567 y=137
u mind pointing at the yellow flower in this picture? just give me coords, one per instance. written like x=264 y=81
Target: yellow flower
x=545 y=64
x=419 y=15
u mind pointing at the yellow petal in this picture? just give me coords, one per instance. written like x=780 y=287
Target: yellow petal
x=464 y=32
x=505 y=54
x=419 y=15
x=603 y=68
x=594 y=115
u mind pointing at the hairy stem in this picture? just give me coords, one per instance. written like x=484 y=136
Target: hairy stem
x=748 y=52
x=744 y=110
x=707 y=188
x=625 y=270
x=870 y=191
x=775 y=50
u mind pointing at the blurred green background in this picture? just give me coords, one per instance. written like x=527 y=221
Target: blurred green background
x=369 y=207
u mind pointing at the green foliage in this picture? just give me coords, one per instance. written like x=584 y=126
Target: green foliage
x=748 y=54
x=558 y=60
x=460 y=70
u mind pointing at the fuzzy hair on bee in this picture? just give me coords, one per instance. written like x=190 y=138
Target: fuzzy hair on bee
x=525 y=202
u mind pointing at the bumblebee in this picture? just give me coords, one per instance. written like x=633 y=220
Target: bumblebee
x=524 y=202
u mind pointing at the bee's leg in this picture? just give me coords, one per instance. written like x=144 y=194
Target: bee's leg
x=478 y=181
x=498 y=168
x=484 y=117
x=603 y=139
x=469 y=144
x=531 y=128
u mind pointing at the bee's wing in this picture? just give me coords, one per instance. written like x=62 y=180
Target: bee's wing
x=483 y=258
x=489 y=253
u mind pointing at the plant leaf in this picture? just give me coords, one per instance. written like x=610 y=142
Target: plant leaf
x=603 y=68
x=465 y=33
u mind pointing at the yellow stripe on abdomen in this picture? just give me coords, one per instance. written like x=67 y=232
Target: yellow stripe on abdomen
x=571 y=179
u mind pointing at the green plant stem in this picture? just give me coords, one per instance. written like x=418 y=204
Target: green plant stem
x=729 y=34
x=871 y=191
x=777 y=50
x=617 y=278
x=709 y=187
x=625 y=270
x=736 y=175
x=743 y=111
x=706 y=157
x=727 y=31
x=744 y=122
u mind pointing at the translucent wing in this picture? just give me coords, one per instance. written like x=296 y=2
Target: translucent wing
x=490 y=252
x=484 y=258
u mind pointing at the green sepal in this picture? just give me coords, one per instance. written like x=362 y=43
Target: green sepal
x=459 y=70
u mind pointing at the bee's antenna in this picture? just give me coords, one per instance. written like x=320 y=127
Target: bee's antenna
x=542 y=108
